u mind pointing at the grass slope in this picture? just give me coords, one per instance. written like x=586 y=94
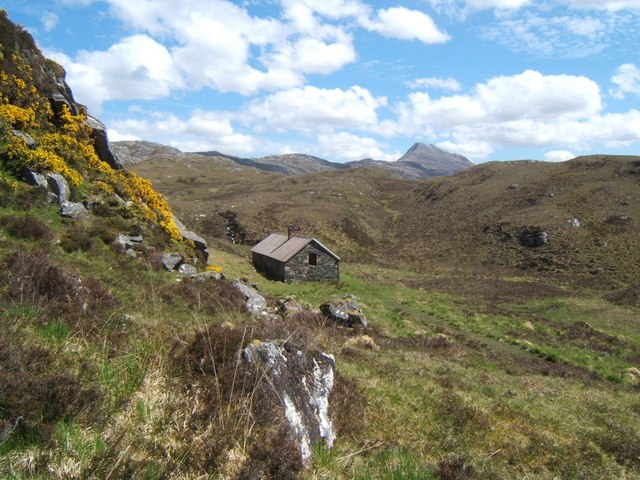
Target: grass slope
x=112 y=368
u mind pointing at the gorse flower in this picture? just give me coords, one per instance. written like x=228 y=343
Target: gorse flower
x=64 y=144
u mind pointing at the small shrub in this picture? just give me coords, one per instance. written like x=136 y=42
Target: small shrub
x=27 y=227
x=207 y=297
x=455 y=468
x=77 y=238
x=347 y=405
x=35 y=386
x=31 y=279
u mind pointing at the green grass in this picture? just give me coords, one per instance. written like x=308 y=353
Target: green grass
x=520 y=388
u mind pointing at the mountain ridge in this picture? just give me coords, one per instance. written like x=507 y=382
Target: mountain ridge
x=419 y=162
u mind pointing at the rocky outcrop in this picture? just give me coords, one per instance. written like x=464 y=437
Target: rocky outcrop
x=533 y=237
x=301 y=380
x=199 y=242
x=254 y=302
x=101 y=143
x=74 y=210
x=171 y=260
x=288 y=306
x=57 y=185
x=345 y=312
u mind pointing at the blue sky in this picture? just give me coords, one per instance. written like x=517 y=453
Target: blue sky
x=345 y=79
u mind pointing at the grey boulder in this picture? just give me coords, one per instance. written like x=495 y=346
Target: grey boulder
x=170 y=260
x=533 y=237
x=345 y=312
x=74 y=210
x=187 y=269
x=101 y=143
x=58 y=185
x=199 y=242
x=300 y=380
x=254 y=302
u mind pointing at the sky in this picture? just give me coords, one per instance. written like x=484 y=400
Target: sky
x=346 y=79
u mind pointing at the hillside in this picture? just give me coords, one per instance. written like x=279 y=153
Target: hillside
x=483 y=358
x=469 y=221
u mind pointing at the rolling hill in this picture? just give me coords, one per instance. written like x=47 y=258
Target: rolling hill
x=473 y=220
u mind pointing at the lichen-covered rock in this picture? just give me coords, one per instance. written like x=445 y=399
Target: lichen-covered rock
x=187 y=269
x=199 y=242
x=101 y=143
x=533 y=237
x=28 y=139
x=254 y=302
x=170 y=260
x=37 y=180
x=74 y=210
x=58 y=185
x=302 y=381
x=123 y=242
x=345 y=312
x=288 y=306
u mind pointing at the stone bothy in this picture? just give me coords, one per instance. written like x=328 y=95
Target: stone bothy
x=295 y=259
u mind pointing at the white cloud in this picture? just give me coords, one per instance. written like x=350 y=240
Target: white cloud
x=203 y=130
x=611 y=5
x=310 y=55
x=469 y=149
x=462 y=8
x=311 y=109
x=405 y=24
x=527 y=96
x=329 y=8
x=116 y=136
x=136 y=68
x=626 y=80
x=347 y=146
x=49 y=21
x=525 y=110
x=496 y=4
x=533 y=95
x=547 y=36
x=558 y=156
x=439 y=83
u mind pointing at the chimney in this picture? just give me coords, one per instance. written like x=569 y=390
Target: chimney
x=289 y=232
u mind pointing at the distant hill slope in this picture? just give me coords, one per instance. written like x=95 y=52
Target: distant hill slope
x=472 y=220
x=289 y=164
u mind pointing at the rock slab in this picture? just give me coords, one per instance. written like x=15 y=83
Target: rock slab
x=254 y=302
x=345 y=312
x=302 y=380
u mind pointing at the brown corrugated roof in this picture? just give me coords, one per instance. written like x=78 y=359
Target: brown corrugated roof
x=282 y=248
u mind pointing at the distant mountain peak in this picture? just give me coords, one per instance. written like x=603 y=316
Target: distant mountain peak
x=432 y=157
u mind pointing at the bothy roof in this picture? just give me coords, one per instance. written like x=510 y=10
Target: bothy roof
x=282 y=248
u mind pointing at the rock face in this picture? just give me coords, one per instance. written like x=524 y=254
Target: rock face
x=345 y=312
x=302 y=380
x=74 y=210
x=101 y=143
x=57 y=184
x=171 y=260
x=533 y=237
x=199 y=242
x=288 y=306
x=254 y=302
x=187 y=270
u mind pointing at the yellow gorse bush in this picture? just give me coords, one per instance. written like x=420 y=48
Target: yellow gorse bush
x=67 y=149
